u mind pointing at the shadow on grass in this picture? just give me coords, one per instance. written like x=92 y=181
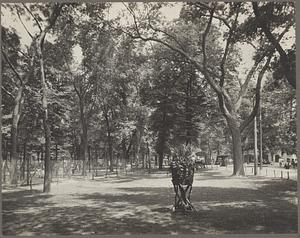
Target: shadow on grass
x=148 y=210
x=29 y=201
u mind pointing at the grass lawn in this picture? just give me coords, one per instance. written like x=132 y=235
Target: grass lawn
x=136 y=204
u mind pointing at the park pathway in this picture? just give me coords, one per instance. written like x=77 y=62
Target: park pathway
x=136 y=204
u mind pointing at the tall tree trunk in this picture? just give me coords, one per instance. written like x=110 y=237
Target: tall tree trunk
x=137 y=148
x=162 y=140
x=28 y=170
x=188 y=113
x=149 y=158
x=255 y=147
x=40 y=42
x=84 y=136
x=238 y=168
x=47 y=134
x=4 y=159
x=13 y=180
x=160 y=160
x=56 y=151
x=16 y=116
x=139 y=136
x=5 y=151
x=14 y=136
x=84 y=152
x=128 y=149
x=94 y=159
x=161 y=149
x=143 y=158
x=210 y=152
x=24 y=160
x=117 y=163
x=110 y=149
x=89 y=158
x=124 y=152
x=42 y=153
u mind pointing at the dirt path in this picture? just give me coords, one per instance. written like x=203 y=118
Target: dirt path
x=141 y=204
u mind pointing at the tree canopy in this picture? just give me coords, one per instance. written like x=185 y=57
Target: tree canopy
x=111 y=84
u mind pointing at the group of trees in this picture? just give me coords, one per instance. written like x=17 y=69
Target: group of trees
x=87 y=86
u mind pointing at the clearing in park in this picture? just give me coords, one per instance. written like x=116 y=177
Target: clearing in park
x=124 y=118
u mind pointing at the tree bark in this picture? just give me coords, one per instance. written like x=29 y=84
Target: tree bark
x=84 y=151
x=14 y=136
x=139 y=136
x=149 y=158
x=238 y=168
x=56 y=152
x=47 y=134
x=162 y=139
x=160 y=160
x=24 y=160
x=5 y=152
x=210 y=152
x=83 y=136
x=16 y=114
x=28 y=170
x=124 y=151
x=40 y=43
x=47 y=159
x=89 y=158
x=255 y=147
x=42 y=153
x=188 y=113
x=13 y=180
x=110 y=149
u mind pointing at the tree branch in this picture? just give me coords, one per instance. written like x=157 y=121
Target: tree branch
x=226 y=51
x=204 y=5
x=244 y=87
x=178 y=50
x=257 y=95
x=12 y=67
x=203 y=69
x=222 y=96
x=167 y=34
x=284 y=59
x=14 y=49
x=53 y=17
x=204 y=40
x=37 y=22
x=24 y=24
x=8 y=93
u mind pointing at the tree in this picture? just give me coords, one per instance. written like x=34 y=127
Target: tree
x=40 y=39
x=87 y=87
x=280 y=14
x=29 y=66
x=178 y=100
x=279 y=117
x=144 y=29
x=10 y=49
